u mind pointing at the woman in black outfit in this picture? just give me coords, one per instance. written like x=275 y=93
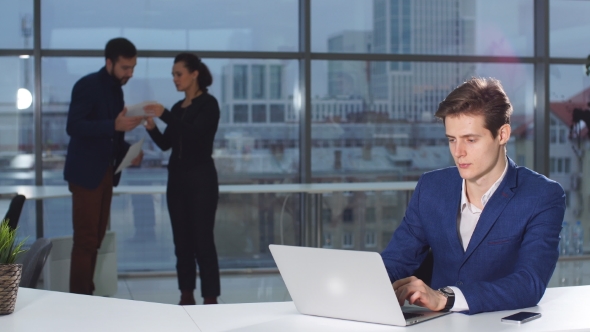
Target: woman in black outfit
x=192 y=190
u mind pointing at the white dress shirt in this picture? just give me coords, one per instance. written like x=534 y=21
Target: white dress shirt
x=466 y=221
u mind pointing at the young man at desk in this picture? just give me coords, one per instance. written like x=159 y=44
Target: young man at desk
x=493 y=227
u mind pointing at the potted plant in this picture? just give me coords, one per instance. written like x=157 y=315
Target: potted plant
x=10 y=272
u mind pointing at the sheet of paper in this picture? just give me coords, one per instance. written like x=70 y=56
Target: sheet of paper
x=133 y=152
x=137 y=109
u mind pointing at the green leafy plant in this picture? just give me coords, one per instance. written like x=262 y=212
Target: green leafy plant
x=588 y=66
x=9 y=249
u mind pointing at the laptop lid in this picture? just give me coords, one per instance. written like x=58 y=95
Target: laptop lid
x=345 y=284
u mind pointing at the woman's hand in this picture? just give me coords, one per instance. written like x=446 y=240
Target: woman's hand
x=149 y=123
x=154 y=110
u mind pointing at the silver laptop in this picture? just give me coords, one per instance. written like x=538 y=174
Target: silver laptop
x=344 y=284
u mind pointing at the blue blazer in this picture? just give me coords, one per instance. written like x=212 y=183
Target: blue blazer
x=512 y=253
x=94 y=143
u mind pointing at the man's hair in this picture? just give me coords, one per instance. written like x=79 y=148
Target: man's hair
x=117 y=47
x=478 y=96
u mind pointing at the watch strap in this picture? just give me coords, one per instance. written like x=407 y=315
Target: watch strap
x=450 y=295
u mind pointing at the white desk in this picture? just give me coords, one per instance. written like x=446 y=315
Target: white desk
x=563 y=309
x=39 y=310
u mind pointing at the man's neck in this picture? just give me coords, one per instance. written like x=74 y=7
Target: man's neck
x=475 y=189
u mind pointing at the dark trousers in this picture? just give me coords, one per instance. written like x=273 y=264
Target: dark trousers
x=192 y=202
x=91 y=210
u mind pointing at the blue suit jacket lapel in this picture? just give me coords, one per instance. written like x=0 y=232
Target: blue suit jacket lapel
x=450 y=222
x=493 y=209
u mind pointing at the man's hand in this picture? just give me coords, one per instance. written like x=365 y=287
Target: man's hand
x=154 y=109
x=137 y=160
x=417 y=292
x=126 y=123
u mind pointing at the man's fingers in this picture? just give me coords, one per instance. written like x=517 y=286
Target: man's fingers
x=398 y=283
x=416 y=298
x=402 y=293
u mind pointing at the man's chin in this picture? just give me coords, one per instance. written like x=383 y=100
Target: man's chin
x=124 y=81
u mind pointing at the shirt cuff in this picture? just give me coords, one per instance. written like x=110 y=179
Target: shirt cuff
x=460 y=301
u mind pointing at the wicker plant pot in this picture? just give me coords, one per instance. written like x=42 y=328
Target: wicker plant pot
x=9 y=279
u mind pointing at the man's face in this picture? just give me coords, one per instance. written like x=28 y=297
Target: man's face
x=122 y=70
x=475 y=151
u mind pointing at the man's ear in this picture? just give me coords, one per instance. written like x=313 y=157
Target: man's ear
x=504 y=134
x=109 y=65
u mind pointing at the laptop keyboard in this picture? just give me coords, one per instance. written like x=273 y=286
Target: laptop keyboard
x=410 y=315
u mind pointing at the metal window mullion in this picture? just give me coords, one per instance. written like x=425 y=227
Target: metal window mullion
x=305 y=118
x=37 y=115
x=541 y=86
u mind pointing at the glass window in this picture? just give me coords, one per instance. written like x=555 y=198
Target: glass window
x=388 y=213
x=569 y=24
x=16 y=24
x=370 y=241
x=17 y=145
x=259 y=113
x=382 y=126
x=240 y=80
x=276 y=79
x=348 y=240
x=327 y=240
x=471 y=27
x=326 y=215
x=258 y=81
x=240 y=113
x=569 y=91
x=347 y=215
x=223 y=25
x=370 y=215
x=277 y=113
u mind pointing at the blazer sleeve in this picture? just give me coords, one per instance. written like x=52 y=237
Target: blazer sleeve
x=162 y=140
x=79 y=123
x=408 y=246
x=537 y=257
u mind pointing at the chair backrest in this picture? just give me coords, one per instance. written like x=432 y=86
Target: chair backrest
x=33 y=261
x=14 y=210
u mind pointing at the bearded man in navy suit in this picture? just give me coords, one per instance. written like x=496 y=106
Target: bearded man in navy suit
x=492 y=226
x=97 y=125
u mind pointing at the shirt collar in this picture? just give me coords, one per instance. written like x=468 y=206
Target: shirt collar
x=488 y=194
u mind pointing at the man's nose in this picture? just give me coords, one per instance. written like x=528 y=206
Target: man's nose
x=459 y=149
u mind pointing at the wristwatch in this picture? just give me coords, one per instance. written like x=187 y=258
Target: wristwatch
x=450 y=295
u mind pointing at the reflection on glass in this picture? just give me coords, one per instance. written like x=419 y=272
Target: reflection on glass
x=450 y=27
x=569 y=143
x=374 y=121
x=17 y=159
x=223 y=25
x=16 y=24
x=569 y=23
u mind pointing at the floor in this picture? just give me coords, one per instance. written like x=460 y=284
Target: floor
x=269 y=287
